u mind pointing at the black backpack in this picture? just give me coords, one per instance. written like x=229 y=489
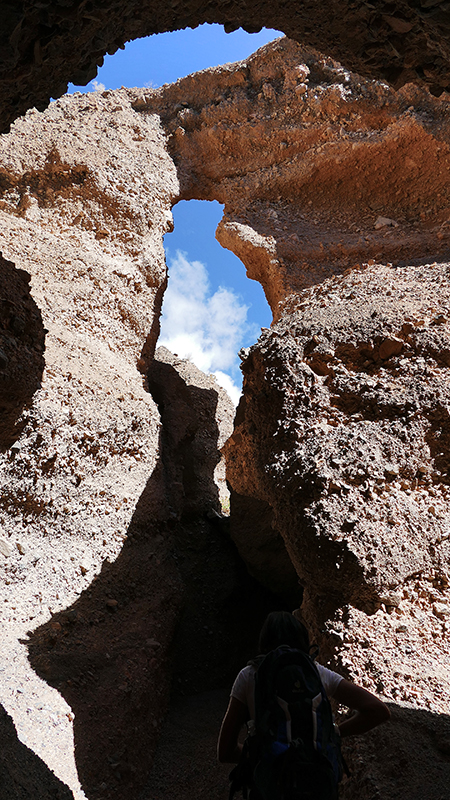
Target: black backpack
x=294 y=752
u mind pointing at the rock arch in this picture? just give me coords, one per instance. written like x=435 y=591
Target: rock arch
x=44 y=45
x=93 y=181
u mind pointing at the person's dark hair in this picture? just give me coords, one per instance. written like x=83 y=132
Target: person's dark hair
x=281 y=627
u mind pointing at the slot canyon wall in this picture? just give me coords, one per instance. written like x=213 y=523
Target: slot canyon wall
x=116 y=561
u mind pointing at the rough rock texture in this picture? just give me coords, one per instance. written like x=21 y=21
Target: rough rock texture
x=169 y=599
x=43 y=45
x=113 y=550
x=84 y=206
x=197 y=421
x=22 y=774
x=22 y=345
x=343 y=431
x=339 y=171
x=109 y=653
x=317 y=169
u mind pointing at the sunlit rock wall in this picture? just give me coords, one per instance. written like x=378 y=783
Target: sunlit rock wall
x=317 y=169
x=86 y=195
x=343 y=430
x=43 y=45
x=340 y=441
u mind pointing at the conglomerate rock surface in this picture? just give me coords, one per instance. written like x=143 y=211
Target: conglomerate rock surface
x=343 y=431
x=113 y=551
x=317 y=169
x=46 y=43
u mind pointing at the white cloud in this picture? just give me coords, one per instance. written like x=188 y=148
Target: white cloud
x=206 y=328
x=228 y=384
x=97 y=87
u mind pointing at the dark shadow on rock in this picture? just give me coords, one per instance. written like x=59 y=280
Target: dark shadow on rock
x=176 y=602
x=263 y=548
x=186 y=764
x=22 y=345
x=189 y=436
x=407 y=759
x=23 y=775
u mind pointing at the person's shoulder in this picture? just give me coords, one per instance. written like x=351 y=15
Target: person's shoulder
x=242 y=683
x=247 y=672
x=329 y=679
x=324 y=670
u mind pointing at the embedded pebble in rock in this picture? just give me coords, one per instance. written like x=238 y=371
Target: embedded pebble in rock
x=5 y=548
x=385 y=222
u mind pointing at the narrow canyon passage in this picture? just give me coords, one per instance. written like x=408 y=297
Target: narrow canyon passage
x=115 y=557
x=175 y=614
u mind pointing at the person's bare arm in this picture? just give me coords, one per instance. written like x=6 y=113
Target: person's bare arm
x=370 y=711
x=228 y=748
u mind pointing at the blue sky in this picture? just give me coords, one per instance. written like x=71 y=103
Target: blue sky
x=211 y=308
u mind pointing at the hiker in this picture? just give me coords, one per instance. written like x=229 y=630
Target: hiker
x=284 y=631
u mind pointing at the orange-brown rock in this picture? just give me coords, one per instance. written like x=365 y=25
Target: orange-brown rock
x=45 y=44
x=341 y=435
x=318 y=170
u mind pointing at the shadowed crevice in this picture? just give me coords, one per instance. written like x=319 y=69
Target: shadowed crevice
x=22 y=345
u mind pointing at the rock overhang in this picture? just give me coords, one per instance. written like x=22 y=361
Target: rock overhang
x=45 y=45
x=334 y=427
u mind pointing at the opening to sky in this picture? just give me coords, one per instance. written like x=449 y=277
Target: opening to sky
x=211 y=309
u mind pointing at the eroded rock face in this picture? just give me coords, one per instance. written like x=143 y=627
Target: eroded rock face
x=164 y=611
x=342 y=430
x=84 y=206
x=339 y=171
x=197 y=421
x=318 y=170
x=342 y=433
x=45 y=45
x=357 y=387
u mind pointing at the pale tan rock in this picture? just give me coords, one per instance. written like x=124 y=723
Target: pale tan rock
x=385 y=222
x=339 y=442
x=5 y=548
x=441 y=610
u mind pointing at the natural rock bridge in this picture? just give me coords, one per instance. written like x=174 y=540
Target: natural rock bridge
x=114 y=551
